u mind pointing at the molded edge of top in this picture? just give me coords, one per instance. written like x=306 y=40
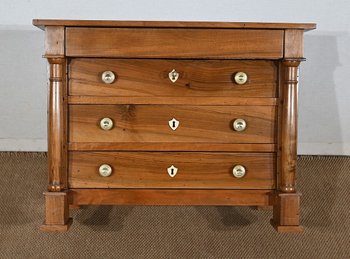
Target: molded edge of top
x=41 y=23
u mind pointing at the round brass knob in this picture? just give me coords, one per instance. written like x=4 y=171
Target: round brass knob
x=239 y=125
x=105 y=170
x=241 y=78
x=108 y=77
x=106 y=124
x=238 y=171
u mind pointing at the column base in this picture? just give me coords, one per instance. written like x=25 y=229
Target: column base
x=56 y=212
x=286 y=207
x=56 y=228
x=286 y=229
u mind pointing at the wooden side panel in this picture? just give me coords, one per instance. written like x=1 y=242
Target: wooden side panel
x=170 y=197
x=149 y=170
x=174 y=43
x=150 y=123
x=149 y=77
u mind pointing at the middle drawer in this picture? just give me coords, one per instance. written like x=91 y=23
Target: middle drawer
x=172 y=123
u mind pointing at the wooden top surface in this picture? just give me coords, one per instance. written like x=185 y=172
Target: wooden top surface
x=41 y=23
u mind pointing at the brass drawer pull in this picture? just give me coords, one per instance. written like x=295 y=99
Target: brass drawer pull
x=239 y=125
x=106 y=124
x=108 y=77
x=105 y=170
x=240 y=78
x=172 y=170
x=238 y=171
x=173 y=75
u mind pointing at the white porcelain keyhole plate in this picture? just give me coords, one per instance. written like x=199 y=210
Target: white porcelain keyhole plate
x=172 y=171
x=174 y=124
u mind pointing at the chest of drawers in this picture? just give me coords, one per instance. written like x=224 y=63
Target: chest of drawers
x=172 y=113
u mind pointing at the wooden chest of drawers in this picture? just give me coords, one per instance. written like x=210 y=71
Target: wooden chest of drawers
x=172 y=113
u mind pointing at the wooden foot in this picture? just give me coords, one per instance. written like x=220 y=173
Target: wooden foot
x=56 y=212
x=287 y=229
x=286 y=212
x=56 y=228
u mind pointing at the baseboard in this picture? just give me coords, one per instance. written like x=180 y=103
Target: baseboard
x=40 y=145
x=339 y=149
x=35 y=145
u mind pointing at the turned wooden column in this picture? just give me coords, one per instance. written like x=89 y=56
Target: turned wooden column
x=56 y=124
x=56 y=198
x=286 y=201
x=289 y=130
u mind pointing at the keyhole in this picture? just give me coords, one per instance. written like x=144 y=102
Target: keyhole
x=172 y=171
x=174 y=124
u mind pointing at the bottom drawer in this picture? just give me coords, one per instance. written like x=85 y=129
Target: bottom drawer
x=193 y=170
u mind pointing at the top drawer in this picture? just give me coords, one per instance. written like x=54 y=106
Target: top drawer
x=174 y=43
x=172 y=78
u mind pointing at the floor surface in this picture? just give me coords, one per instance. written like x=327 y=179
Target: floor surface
x=175 y=231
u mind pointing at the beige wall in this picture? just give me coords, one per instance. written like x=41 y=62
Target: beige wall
x=324 y=89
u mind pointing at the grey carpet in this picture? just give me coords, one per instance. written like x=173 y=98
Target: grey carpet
x=174 y=232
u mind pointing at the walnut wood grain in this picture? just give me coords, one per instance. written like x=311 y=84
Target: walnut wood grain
x=170 y=197
x=294 y=44
x=142 y=100
x=149 y=170
x=286 y=209
x=149 y=77
x=279 y=122
x=57 y=119
x=174 y=146
x=57 y=228
x=54 y=41
x=287 y=229
x=149 y=123
x=288 y=126
x=237 y=101
x=173 y=43
x=56 y=212
x=173 y=24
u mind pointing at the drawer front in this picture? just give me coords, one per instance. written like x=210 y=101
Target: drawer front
x=171 y=170
x=174 y=43
x=172 y=123
x=142 y=77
